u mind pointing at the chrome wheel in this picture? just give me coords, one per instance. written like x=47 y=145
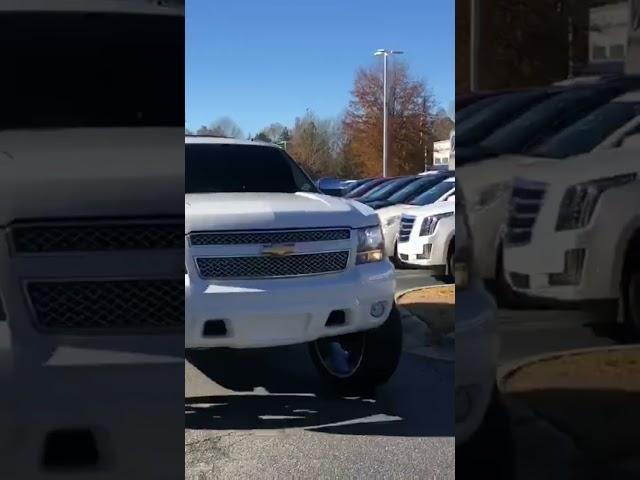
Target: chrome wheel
x=341 y=356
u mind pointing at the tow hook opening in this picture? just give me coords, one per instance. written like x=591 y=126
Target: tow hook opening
x=70 y=449
x=336 y=318
x=214 y=328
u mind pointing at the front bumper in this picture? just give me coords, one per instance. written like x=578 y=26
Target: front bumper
x=477 y=348
x=537 y=268
x=274 y=312
x=428 y=251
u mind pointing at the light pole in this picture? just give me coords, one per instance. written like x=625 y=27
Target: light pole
x=385 y=54
x=474 y=44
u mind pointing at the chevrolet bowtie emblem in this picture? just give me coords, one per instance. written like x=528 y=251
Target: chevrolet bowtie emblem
x=278 y=250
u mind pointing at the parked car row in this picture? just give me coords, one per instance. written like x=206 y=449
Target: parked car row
x=552 y=186
x=420 y=199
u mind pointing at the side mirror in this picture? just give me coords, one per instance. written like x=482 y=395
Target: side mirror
x=331 y=186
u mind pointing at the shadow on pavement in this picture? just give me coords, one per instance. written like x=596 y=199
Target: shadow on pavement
x=279 y=388
x=601 y=424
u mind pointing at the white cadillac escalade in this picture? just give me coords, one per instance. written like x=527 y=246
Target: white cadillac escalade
x=271 y=261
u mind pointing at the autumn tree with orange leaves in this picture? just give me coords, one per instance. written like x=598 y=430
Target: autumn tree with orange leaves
x=410 y=126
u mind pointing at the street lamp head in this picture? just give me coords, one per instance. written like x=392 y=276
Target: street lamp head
x=383 y=51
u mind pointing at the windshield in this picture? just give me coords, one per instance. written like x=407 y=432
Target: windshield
x=385 y=191
x=586 y=134
x=72 y=70
x=434 y=194
x=217 y=168
x=416 y=188
x=506 y=107
x=545 y=119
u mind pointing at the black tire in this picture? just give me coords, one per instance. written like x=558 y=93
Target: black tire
x=506 y=297
x=395 y=259
x=631 y=295
x=490 y=452
x=380 y=357
x=451 y=272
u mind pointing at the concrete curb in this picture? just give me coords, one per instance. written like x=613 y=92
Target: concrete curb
x=507 y=371
x=404 y=292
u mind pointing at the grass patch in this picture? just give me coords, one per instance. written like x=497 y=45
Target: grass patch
x=435 y=305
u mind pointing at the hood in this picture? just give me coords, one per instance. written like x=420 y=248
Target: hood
x=378 y=204
x=393 y=210
x=476 y=177
x=90 y=172
x=433 y=209
x=256 y=211
x=590 y=166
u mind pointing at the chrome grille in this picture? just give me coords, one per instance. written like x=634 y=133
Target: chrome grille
x=111 y=306
x=526 y=201
x=252 y=238
x=97 y=237
x=406 y=225
x=269 y=267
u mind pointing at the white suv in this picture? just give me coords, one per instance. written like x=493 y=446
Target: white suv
x=484 y=445
x=427 y=236
x=390 y=216
x=574 y=232
x=270 y=261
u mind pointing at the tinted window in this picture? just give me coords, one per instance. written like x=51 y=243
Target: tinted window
x=474 y=108
x=212 y=168
x=91 y=70
x=433 y=194
x=362 y=189
x=481 y=125
x=416 y=188
x=545 y=119
x=586 y=134
x=385 y=191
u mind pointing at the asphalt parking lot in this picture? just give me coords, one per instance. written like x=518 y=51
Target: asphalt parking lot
x=265 y=414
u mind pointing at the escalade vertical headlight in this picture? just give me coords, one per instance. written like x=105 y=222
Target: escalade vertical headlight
x=580 y=201
x=370 y=245
x=429 y=223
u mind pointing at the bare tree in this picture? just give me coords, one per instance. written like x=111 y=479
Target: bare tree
x=223 y=127
x=312 y=145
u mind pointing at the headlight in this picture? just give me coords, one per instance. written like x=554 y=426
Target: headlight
x=491 y=194
x=392 y=221
x=370 y=245
x=580 y=201
x=429 y=223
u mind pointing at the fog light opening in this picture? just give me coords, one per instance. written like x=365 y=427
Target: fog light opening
x=378 y=309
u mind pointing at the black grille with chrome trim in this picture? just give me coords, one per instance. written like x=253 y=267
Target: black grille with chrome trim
x=272 y=266
x=90 y=237
x=406 y=225
x=107 y=305
x=252 y=238
x=526 y=201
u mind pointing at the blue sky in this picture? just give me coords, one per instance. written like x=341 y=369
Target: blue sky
x=260 y=62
